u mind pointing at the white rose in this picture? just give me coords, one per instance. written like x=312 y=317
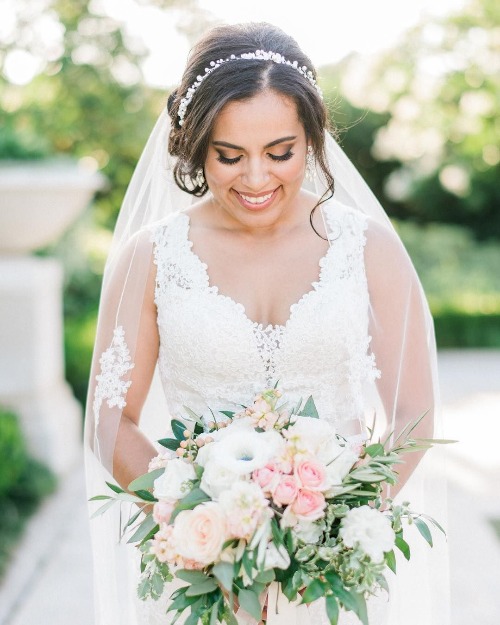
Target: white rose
x=308 y=531
x=369 y=530
x=217 y=478
x=309 y=434
x=276 y=557
x=174 y=483
x=200 y=533
x=338 y=469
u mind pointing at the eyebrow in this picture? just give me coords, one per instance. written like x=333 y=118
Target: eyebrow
x=224 y=144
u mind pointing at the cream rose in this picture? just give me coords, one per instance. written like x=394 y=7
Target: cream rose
x=175 y=482
x=200 y=533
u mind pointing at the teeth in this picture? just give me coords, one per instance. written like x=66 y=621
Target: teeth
x=256 y=200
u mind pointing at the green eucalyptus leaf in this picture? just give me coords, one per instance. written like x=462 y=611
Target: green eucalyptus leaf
x=115 y=487
x=249 y=601
x=376 y=449
x=214 y=613
x=390 y=560
x=169 y=443
x=332 y=609
x=145 y=481
x=202 y=588
x=178 y=429
x=103 y=508
x=143 y=530
x=224 y=572
x=309 y=410
x=423 y=529
x=314 y=591
x=193 y=577
x=193 y=618
x=403 y=546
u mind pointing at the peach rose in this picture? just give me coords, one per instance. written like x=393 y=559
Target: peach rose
x=267 y=477
x=311 y=475
x=162 y=511
x=308 y=505
x=286 y=491
x=200 y=533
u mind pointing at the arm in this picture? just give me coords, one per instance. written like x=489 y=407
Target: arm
x=403 y=341
x=127 y=302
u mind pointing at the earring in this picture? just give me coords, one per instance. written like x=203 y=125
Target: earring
x=200 y=178
x=310 y=164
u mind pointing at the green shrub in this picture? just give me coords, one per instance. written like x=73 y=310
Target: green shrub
x=79 y=335
x=24 y=482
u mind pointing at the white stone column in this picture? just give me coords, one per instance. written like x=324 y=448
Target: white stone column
x=37 y=203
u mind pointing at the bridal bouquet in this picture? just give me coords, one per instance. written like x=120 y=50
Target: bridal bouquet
x=268 y=494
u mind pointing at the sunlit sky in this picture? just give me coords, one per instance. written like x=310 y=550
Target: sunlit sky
x=325 y=34
x=327 y=30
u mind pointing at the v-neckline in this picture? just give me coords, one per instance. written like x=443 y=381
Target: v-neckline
x=256 y=325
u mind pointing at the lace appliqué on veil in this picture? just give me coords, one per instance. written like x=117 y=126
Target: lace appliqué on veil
x=115 y=363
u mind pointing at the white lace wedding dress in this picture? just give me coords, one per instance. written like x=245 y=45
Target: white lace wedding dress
x=213 y=356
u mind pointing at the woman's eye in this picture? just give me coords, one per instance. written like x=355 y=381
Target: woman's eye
x=282 y=157
x=228 y=161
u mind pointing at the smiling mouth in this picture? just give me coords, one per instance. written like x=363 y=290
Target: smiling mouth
x=257 y=200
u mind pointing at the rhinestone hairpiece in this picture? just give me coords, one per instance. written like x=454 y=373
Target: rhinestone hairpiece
x=258 y=55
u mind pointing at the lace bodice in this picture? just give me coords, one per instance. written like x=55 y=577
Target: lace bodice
x=213 y=356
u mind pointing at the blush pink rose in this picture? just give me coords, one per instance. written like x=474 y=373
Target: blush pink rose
x=200 y=533
x=162 y=511
x=309 y=505
x=267 y=477
x=286 y=491
x=311 y=474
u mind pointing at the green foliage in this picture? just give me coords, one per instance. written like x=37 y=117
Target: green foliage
x=24 y=482
x=422 y=122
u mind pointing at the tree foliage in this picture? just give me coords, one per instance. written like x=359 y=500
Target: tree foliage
x=431 y=105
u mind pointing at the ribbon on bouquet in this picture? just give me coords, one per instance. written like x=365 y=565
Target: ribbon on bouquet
x=280 y=611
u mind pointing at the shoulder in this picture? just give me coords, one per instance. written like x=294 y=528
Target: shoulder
x=159 y=232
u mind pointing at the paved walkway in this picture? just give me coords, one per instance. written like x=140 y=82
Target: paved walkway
x=49 y=581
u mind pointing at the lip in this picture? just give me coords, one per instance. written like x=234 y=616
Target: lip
x=256 y=207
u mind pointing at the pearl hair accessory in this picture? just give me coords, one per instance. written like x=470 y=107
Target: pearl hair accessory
x=258 y=55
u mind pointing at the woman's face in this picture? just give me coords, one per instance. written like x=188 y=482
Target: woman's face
x=256 y=160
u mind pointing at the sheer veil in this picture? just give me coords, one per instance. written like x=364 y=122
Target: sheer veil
x=402 y=340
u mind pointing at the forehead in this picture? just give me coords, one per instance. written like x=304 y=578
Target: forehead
x=259 y=120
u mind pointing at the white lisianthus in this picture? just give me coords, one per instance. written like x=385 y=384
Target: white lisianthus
x=175 y=482
x=369 y=530
x=338 y=469
x=276 y=557
x=217 y=478
x=242 y=452
x=308 y=531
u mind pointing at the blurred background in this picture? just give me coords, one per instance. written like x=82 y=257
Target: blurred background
x=413 y=89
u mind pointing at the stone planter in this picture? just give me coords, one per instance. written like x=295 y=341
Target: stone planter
x=38 y=202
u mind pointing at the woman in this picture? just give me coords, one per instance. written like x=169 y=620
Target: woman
x=233 y=268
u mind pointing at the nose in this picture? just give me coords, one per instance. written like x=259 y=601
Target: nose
x=255 y=174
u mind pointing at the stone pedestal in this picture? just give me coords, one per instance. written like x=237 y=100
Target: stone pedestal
x=31 y=359
x=38 y=202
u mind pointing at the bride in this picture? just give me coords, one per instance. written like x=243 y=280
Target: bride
x=248 y=251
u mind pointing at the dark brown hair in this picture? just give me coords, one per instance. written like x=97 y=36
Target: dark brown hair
x=241 y=80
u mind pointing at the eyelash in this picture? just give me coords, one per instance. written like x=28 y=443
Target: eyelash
x=274 y=157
